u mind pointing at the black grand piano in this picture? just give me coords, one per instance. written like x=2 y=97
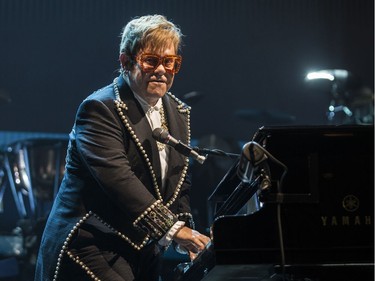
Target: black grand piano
x=306 y=213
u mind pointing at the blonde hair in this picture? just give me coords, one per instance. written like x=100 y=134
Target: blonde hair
x=151 y=31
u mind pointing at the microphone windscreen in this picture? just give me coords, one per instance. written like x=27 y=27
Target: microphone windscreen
x=160 y=135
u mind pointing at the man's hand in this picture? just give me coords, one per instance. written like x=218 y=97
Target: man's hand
x=191 y=240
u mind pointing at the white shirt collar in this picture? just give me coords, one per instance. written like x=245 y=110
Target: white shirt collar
x=146 y=107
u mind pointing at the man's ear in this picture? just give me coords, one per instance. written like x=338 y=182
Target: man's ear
x=125 y=61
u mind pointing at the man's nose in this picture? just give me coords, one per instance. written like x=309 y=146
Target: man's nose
x=160 y=69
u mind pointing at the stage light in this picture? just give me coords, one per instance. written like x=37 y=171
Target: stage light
x=328 y=74
x=319 y=75
x=351 y=102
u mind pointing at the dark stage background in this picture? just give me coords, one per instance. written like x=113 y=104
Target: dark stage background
x=238 y=55
x=244 y=65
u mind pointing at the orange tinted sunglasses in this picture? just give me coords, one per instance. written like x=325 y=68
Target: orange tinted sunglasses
x=149 y=62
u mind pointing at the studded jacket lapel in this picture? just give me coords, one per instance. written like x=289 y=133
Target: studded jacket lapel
x=140 y=126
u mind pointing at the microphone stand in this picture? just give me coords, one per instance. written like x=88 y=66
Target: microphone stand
x=215 y=152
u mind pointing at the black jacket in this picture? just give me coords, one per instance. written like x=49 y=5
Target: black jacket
x=112 y=174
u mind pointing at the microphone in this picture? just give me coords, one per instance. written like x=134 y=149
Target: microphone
x=252 y=155
x=163 y=136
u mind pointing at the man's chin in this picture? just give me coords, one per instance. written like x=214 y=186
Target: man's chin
x=158 y=92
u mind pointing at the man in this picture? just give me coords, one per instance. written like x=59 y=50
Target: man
x=125 y=197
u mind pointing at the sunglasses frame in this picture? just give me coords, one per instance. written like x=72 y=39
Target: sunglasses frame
x=140 y=60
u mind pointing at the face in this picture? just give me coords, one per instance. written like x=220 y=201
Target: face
x=151 y=85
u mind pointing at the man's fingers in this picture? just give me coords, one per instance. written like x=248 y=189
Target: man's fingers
x=192 y=256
